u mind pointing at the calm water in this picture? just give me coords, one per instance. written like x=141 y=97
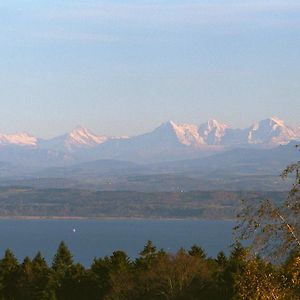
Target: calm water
x=93 y=238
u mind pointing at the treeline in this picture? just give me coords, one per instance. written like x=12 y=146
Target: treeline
x=153 y=275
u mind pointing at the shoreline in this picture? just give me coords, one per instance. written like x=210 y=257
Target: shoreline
x=115 y=218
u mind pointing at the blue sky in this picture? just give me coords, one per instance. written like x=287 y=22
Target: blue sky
x=124 y=67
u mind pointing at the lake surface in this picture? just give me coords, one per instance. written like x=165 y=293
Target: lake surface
x=96 y=238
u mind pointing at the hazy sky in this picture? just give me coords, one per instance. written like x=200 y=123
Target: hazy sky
x=124 y=67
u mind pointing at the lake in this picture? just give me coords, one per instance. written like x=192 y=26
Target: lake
x=96 y=238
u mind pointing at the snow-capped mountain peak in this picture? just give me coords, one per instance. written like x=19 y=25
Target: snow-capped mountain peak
x=81 y=136
x=19 y=139
x=188 y=135
x=170 y=141
x=270 y=123
x=185 y=134
x=277 y=121
x=169 y=125
x=271 y=131
x=213 y=123
x=212 y=131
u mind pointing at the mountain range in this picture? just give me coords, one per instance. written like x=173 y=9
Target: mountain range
x=168 y=142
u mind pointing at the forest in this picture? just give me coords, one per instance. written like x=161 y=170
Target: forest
x=155 y=274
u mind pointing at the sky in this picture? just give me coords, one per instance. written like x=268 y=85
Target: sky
x=124 y=67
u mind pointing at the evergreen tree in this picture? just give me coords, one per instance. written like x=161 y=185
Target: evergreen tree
x=99 y=278
x=63 y=259
x=9 y=275
x=149 y=250
x=221 y=260
x=119 y=261
x=61 y=265
x=113 y=276
x=227 y=279
x=72 y=284
x=197 y=252
x=25 y=279
x=43 y=283
x=147 y=256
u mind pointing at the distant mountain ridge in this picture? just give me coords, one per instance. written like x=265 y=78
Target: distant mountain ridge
x=169 y=141
x=268 y=131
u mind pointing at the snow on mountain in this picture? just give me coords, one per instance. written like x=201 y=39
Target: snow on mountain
x=167 y=133
x=272 y=131
x=18 y=139
x=80 y=137
x=212 y=132
x=169 y=141
x=186 y=134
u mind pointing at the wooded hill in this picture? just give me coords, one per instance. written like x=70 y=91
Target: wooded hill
x=30 y=202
